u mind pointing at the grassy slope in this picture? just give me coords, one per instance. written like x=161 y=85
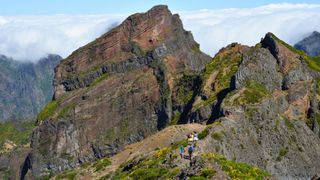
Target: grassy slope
x=18 y=133
x=151 y=159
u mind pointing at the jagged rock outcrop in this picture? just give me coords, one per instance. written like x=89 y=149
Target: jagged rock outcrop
x=118 y=89
x=25 y=87
x=310 y=44
x=270 y=114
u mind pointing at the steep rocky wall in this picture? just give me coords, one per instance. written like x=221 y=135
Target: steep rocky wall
x=117 y=90
x=269 y=119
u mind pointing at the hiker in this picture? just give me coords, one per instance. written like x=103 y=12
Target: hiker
x=195 y=136
x=190 y=137
x=181 y=151
x=190 y=151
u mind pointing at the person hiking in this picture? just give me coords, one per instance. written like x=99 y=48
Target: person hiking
x=190 y=151
x=181 y=151
x=190 y=139
x=195 y=136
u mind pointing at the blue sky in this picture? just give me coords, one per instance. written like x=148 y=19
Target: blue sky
x=49 y=7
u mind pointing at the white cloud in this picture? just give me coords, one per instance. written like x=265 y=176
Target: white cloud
x=214 y=29
x=31 y=37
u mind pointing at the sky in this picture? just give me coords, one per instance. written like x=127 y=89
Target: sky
x=49 y=7
x=31 y=29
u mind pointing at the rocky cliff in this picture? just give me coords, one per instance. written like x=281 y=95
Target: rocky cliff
x=25 y=88
x=310 y=44
x=260 y=104
x=265 y=102
x=264 y=105
x=126 y=85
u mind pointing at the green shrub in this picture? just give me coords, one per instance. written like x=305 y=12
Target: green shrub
x=149 y=167
x=197 y=178
x=99 y=79
x=238 y=170
x=208 y=172
x=225 y=66
x=195 y=48
x=185 y=88
x=253 y=93
x=64 y=112
x=175 y=119
x=183 y=143
x=282 y=153
x=317 y=118
x=217 y=136
x=204 y=133
x=101 y=164
x=288 y=124
x=69 y=175
x=47 y=111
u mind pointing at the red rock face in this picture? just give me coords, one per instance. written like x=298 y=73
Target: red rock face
x=116 y=90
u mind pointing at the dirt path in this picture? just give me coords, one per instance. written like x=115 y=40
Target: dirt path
x=161 y=139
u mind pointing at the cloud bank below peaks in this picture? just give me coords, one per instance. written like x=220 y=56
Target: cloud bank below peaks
x=214 y=29
x=32 y=37
x=29 y=38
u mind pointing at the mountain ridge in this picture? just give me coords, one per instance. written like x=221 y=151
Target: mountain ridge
x=310 y=44
x=148 y=73
x=117 y=90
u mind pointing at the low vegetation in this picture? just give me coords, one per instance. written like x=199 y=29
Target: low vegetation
x=238 y=170
x=47 y=111
x=101 y=164
x=186 y=87
x=282 y=153
x=252 y=93
x=99 y=79
x=64 y=112
x=175 y=119
x=208 y=172
x=67 y=175
x=225 y=66
x=150 y=167
x=17 y=133
x=204 y=133
x=288 y=124
x=217 y=136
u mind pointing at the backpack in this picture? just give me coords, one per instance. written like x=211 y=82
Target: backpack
x=181 y=149
x=190 y=149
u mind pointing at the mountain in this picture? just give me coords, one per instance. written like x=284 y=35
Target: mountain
x=25 y=88
x=124 y=86
x=310 y=44
x=118 y=99
x=261 y=106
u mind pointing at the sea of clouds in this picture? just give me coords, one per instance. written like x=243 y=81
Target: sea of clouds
x=28 y=38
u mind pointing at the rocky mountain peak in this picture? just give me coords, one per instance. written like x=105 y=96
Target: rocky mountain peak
x=286 y=57
x=310 y=44
x=129 y=83
x=152 y=33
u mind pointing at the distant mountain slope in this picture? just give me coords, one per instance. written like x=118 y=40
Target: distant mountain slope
x=311 y=44
x=25 y=87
